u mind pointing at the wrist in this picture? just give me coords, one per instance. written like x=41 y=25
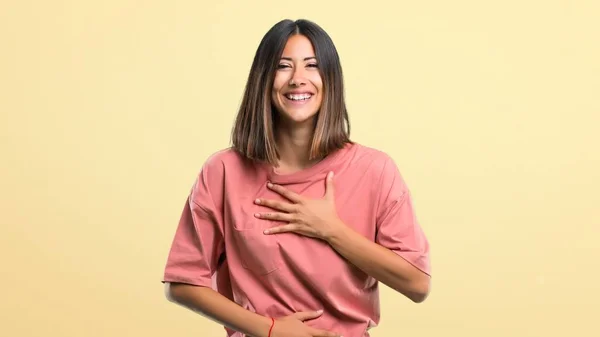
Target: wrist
x=271 y=328
x=264 y=327
x=338 y=230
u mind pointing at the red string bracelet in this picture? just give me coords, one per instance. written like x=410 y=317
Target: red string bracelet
x=271 y=328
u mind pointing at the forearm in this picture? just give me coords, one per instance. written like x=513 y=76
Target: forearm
x=380 y=263
x=218 y=308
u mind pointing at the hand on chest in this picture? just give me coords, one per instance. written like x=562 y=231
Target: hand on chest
x=298 y=218
x=351 y=201
x=264 y=253
x=248 y=207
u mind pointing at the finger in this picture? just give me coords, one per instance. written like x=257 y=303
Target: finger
x=324 y=333
x=275 y=216
x=282 y=229
x=291 y=196
x=306 y=315
x=278 y=205
x=329 y=186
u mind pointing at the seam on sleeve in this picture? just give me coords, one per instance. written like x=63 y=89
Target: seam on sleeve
x=172 y=278
x=380 y=199
x=211 y=217
x=420 y=263
x=201 y=180
x=197 y=204
x=394 y=204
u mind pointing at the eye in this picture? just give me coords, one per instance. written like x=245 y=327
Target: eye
x=312 y=65
x=282 y=66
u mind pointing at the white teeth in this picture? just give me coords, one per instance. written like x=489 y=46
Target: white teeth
x=300 y=97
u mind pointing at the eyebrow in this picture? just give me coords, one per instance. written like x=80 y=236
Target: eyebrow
x=305 y=59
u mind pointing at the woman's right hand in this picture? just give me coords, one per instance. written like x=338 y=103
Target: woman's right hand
x=293 y=326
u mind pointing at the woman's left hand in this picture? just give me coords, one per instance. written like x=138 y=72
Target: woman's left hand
x=315 y=218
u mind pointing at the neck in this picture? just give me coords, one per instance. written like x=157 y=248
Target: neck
x=294 y=143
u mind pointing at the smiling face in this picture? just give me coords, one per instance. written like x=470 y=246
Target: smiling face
x=298 y=87
x=287 y=90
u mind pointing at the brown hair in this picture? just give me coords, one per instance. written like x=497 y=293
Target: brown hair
x=252 y=134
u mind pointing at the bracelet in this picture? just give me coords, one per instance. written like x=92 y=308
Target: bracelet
x=271 y=328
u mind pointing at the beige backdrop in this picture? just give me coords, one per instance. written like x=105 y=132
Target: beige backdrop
x=490 y=108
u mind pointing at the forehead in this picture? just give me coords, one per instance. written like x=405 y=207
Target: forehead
x=298 y=46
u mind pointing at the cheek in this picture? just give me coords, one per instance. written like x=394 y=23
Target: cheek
x=318 y=83
x=279 y=82
x=275 y=90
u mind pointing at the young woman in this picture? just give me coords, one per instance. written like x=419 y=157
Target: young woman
x=288 y=232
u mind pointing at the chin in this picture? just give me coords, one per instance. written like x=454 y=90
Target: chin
x=298 y=117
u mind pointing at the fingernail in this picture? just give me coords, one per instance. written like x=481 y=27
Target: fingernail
x=257 y=201
x=319 y=312
x=269 y=185
x=266 y=231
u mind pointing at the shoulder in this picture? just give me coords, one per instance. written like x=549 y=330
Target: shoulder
x=226 y=155
x=377 y=165
x=372 y=159
x=209 y=183
x=217 y=162
x=218 y=165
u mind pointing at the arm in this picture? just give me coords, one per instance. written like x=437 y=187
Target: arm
x=218 y=308
x=381 y=263
x=399 y=257
x=194 y=259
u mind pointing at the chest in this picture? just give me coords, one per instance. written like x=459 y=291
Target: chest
x=355 y=204
x=263 y=254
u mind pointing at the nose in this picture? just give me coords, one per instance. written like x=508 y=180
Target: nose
x=298 y=77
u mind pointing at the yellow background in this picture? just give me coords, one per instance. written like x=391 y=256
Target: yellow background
x=490 y=108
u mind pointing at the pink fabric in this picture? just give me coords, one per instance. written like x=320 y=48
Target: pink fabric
x=220 y=244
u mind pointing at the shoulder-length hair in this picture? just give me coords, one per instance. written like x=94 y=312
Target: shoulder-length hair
x=252 y=134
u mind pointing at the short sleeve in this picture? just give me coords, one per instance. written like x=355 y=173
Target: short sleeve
x=198 y=247
x=397 y=226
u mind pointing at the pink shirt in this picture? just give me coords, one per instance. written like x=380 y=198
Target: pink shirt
x=220 y=244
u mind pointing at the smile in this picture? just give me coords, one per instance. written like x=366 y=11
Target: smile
x=298 y=97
